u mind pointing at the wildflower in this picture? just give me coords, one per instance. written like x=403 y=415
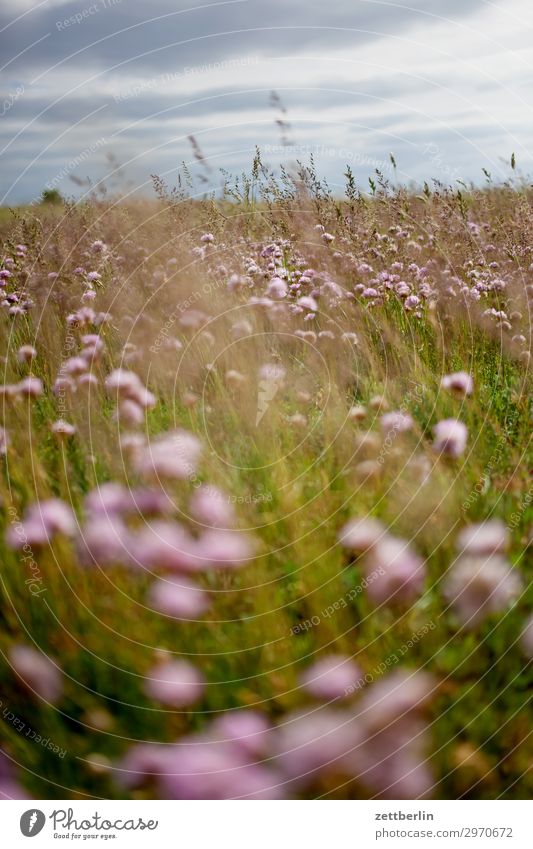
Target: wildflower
x=450 y=437
x=178 y=597
x=211 y=507
x=247 y=730
x=391 y=759
x=358 y=535
x=483 y=538
x=411 y=302
x=478 y=585
x=176 y=683
x=310 y=743
x=42 y=521
x=171 y=455
x=62 y=428
x=208 y=769
x=166 y=545
x=109 y=497
x=31 y=387
x=38 y=672
x=308 y=303
x=225 y=549
x=75 y=366
x=397 y=422
x=105 y=540
x=398 y=572
x=277 y=288
x=460 y=383
x=357 y=413
x=26 y=353
x=330 y=677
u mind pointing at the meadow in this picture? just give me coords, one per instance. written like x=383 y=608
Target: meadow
x=266 y=493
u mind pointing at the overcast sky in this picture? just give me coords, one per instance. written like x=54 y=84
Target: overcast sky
x=446 y=85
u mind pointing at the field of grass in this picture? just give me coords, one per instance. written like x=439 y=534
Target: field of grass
x=189 y=606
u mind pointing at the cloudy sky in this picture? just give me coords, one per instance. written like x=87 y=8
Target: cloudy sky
x=89 y=85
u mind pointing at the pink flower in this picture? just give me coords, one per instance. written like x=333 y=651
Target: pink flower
x=225 y=549
x=397 y=573
x=483 y=538
x=42 y=521
x=109 y=497
x=312 y=742
x=460 y=383
x=358 y=535
x=211 y=507
x=39 y=674
x=212 y=770
x=331 y=677
x=176 y=683
x=171 y=455
x=478 y=585
x=277 y=289
x=31 y=386
x=129 y=413
x=450 y=437
x=62 y=428
x=396 y=421
x=75 y=366
x=248 y=730
x=104 y=541
x=391 y=758
x=308 y=303
x=166 y=545
x=26 y=353
x=178 y=597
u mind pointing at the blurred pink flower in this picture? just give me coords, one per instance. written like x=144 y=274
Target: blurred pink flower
x=308 y=743
x=41 y=522
x=483 y=537
x=166 y=545
x=105 y=540
x=31 y=386
x=171 y=455
x=39 y=674
x=225 y=549
x=460 y=383
x=358 y=535
x=450 y=437
x=62 y=428
x=26 y=353
x=178 y=597
x=248 y=730
x=478 y=585
x=176 y=683
x=211 y=507
x=398 y=573
x=396 y=421
x=331 y=677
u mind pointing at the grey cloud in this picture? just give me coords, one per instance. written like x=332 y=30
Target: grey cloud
x=119 y=34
